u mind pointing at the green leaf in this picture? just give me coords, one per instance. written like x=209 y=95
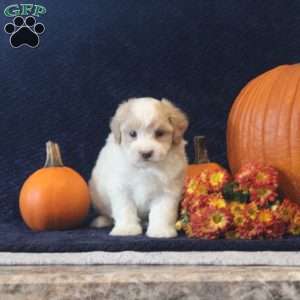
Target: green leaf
x=185 y=219
x=232 y=192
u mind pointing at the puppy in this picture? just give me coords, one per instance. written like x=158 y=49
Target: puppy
x=139 y=173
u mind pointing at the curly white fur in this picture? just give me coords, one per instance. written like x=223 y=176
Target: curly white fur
x=139 y=173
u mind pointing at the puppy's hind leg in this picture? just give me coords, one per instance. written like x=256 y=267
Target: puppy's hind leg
x=101 y=221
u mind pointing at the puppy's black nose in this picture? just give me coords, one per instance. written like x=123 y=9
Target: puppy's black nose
x=146 y=155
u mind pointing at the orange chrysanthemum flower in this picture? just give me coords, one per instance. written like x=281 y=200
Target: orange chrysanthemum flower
x=276 y=229
x=257 y=175
x=198 y=228
x=294 y=227
x=245 y=175
x=287 y=210
x=217 y=180
x=236 y=208
x=250 y=211
x=273 y=227
x=239 y=220
x=210 y=222
x=250 y=230
x=186 y=227
x=216 y=200
x=188 y=230
x=195 y=186
x=265 y=216
x=262 y=196
x=192 y=204
x=266 y=176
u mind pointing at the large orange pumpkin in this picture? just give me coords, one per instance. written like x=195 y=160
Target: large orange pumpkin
x=54 y=197
x=201 y=159
x=264 y=126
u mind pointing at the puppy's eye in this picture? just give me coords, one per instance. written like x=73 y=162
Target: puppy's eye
x=159 y=133
x=133 y=133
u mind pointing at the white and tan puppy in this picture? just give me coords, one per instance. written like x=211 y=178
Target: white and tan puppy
x=139 y=173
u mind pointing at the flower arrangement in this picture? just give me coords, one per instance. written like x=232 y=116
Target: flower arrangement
x=248 y=206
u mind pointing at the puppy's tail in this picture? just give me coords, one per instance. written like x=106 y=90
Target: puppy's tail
x=101 y=221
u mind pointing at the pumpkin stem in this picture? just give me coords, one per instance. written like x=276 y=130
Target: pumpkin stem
x=201 y=155
x=53 y=158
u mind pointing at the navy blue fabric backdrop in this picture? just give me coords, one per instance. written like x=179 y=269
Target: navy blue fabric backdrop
x=96 y=53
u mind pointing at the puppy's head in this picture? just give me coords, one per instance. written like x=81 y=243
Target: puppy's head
x=147 y=129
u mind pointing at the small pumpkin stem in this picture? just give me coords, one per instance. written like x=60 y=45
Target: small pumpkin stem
x=53 y=158
x=201 y=155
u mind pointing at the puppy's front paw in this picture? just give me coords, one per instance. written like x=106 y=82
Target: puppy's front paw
x=162 y=232
x=132 y=229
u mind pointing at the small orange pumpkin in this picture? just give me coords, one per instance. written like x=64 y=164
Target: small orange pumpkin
x=201 y=159
x=54 y=197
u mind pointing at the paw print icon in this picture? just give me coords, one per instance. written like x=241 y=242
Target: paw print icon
x=24 y=32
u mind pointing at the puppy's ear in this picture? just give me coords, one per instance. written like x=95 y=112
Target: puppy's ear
x=178 y=120
x=117 y=119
